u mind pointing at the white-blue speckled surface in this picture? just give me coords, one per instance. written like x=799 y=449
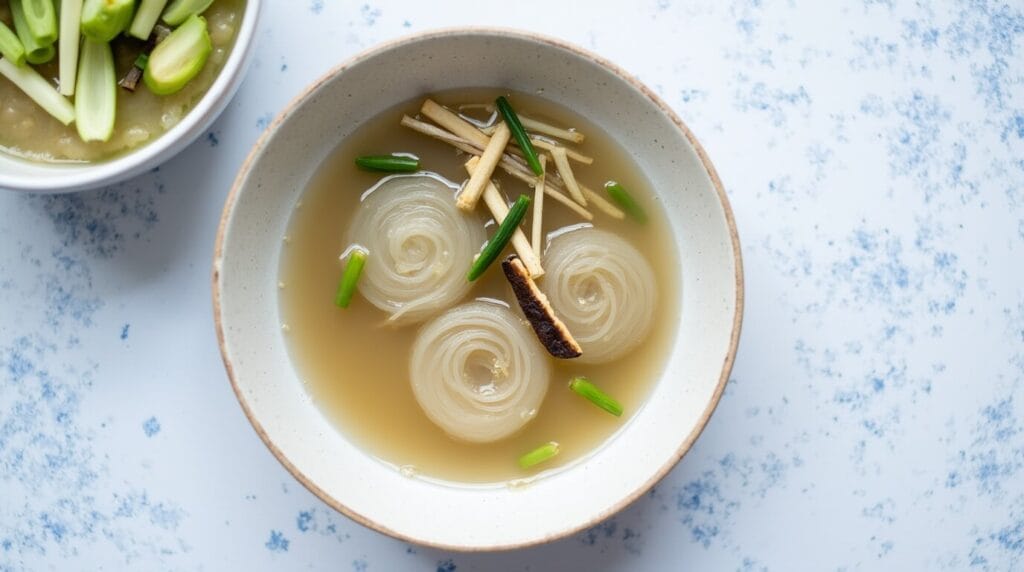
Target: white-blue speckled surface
x=874 y=154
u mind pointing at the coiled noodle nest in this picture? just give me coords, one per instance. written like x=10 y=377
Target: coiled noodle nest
x=478 y=372
x=604 y=291
x=419 y=243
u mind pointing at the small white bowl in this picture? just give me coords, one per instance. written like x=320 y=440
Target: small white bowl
x=19 y=174
x=245 y=293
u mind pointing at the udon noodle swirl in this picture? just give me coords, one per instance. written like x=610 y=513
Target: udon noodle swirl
x=478 y=372
x=604 y=291
x=419 y=245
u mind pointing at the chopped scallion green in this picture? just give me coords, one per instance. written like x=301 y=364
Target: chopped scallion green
x=519 y=134
x=621 y=196
x=584 y=387
x=41 y=18
x=350 y=277
x=96 y=92
x=179 y=57
x=180 y=10
x=36 y=87
x=10 y=46
x=539 y=455
x=103 y=20
x=145 y=18
x=36 y=52
x=388 y=163
x=70 y=39
x=501 y=237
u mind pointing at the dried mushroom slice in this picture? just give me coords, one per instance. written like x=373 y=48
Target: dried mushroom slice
x=553 y=334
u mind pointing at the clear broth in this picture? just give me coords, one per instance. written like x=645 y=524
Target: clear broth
x=356 y=370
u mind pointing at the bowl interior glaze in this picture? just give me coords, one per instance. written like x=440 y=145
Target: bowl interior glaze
x=437 y=514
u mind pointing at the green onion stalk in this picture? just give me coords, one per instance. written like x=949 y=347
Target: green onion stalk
x=41 y=18
x=582 y=386
x=501 y=237
x=11 y=47
x=539 y=455
x=388 y=163
x=70 y=39
x=179 y=57
x=625 y=200
x=96 y=92
x=180 y=10
x=145 y=18
x=350 y=277
x=36 y=51
x=519 y=134
x=39 y=89
x=103 y=20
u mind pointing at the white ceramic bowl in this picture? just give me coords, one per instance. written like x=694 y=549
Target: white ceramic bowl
x=475 y=518
x=37 y=177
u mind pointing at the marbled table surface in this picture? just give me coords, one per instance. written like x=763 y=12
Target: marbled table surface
x=874 y=155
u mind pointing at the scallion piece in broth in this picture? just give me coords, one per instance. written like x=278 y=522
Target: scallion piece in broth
x=36 y=52
x=350 y=277
x=39 y=89
x=539 y=455
x=625 y=200
x=10 y=46
x=42 y=55
x=584 y=387
x=501 y=237
x=103 y=20
x=180 y=10
x=41 y=19
x=388 y=163
x=179 y=58
x=519 y=134
x=70 y=39
x=96 y=92
x=145 y=18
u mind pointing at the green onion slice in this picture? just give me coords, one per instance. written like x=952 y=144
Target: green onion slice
x=520 y=135
x=11 y=47
x=388 y=163
x=179 y=58
x=539 y=455
x=36 y=52
x=39 y=89
x=103 y=20
x=145 y=18
x=70 y=39
x=350 y=277
x=621 y=196
x=41 y=19
x=584 y=387
x=180 y=10
x=96 y=92
x=497 y=243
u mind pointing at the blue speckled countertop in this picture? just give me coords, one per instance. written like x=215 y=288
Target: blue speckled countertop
x=874 y=154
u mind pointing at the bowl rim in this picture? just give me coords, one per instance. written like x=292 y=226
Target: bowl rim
x=166 y=145
x=504 y=32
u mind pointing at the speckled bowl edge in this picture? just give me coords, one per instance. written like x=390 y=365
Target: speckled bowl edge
x=622 y=74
